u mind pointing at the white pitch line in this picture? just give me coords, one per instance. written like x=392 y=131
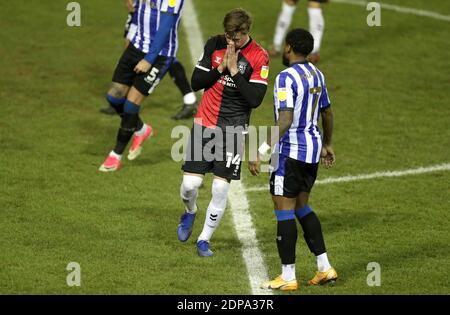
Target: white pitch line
x=238 y=201
x=396 y=8
x=332 y=180
x=245 y=230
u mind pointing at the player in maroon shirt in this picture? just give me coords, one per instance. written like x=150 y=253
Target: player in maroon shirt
x=233 y=71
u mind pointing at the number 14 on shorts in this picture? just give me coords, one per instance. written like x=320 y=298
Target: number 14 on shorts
x=236 y=160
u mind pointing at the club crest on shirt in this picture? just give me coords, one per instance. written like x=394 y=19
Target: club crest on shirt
x=242 y=65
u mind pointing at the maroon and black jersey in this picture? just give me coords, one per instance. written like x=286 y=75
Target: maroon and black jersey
x=227 y=100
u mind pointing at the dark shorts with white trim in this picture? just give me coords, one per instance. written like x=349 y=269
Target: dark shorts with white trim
x=214 y=151
x=143 y=82
x=292 y=177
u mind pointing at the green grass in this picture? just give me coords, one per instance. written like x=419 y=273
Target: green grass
x=389 y=89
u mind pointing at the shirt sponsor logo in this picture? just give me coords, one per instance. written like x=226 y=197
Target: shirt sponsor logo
x=172 y=3
x=227 y=81
x=218 y=60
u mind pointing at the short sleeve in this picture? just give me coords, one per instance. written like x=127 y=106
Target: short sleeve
x=171 y=6
x=260 y=72
x=284 y=92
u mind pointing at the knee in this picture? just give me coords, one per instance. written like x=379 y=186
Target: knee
x=135 y=96
x=291 y=2
x=118 y=91
x=191 y=183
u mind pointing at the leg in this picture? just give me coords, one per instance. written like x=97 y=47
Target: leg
x=131 y=121
x=194 y=168
x=178 y=75
x=144 y=85
x=286 y=242
x=116 y=98
x=188 y=193
x=312 y=232
x=283 y=24
x=128 y=109
x=214 y=214
x=310 y=224
x=286 y=234
x=316 y=28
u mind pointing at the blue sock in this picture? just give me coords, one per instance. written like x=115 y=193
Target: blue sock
x=283 y=215
x=131 y=108
x=303 y=212
x=116 y=103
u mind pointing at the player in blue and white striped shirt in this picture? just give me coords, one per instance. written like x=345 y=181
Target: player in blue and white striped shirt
x=143 y=64
x=176 y=69
x=300 y=95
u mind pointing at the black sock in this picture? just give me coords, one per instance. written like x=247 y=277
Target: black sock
x=286 y=236
x=178 y=75
x=139 y=124
x=313 y=233
x=128 y=126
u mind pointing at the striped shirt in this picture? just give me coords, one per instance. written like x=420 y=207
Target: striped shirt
x=148 y=17
x=301 y=88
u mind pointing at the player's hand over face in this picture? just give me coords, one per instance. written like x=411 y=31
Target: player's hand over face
x=223 y=66
x=232 y=59
x=253 y=166
x=143 y=66
x=327 y=156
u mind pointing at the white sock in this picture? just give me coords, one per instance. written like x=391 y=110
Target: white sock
x=216 y=209
x=288 y=272
x=322 y=262
x=141 y=131
x=117 y=156
x=189 y=98
x=283 y=24
x=189 y=192
x=316 y=26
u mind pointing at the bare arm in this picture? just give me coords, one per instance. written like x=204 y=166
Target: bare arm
x=327 y=155
x=327 y=125
x=130 y=5
x=284 y=123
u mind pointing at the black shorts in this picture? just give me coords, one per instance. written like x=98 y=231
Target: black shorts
x=214 y=151
x=143 y=82
x=292 y=177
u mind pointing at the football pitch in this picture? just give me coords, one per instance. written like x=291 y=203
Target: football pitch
x=390 y=91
